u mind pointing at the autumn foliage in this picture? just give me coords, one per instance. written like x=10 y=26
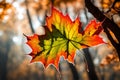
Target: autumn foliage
x=62 y=38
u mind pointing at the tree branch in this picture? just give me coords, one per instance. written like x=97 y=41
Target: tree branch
x=112 y=6
x=101 y=17
x=107 y=23
x=117 y=46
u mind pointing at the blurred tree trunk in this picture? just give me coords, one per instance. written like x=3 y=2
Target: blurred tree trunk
x=4 y=57
x=90 y=65
x=74 y=71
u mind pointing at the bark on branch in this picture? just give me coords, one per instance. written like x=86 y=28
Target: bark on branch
x=107 y=23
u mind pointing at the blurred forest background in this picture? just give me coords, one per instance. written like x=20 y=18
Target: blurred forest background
x=18 y=17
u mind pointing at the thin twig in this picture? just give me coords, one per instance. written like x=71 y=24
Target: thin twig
x=113 y=6
x=29 y=17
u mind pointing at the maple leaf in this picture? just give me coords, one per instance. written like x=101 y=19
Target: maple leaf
x=62 y=38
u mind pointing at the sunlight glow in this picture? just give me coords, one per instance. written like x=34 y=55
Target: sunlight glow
x=1 y=33
x=17 y=40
